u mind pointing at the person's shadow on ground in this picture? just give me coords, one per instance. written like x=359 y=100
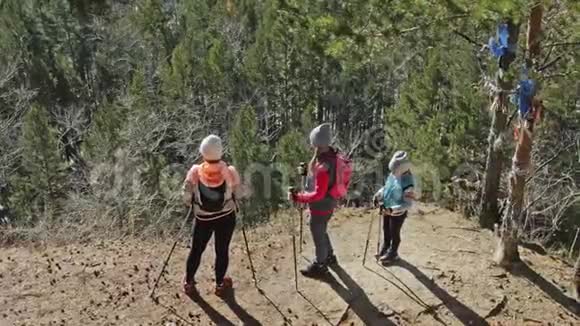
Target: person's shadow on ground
x=356 y=298
x=247 y=319
x=216 y=317
x=524 y=270
x=462 y=312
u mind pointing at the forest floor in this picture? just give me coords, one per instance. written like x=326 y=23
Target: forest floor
x=446 y=277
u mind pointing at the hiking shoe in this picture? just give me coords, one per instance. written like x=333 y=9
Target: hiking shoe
x=331 y=260
x=221 y=289
x=389 y=258
x=315 y=271
x=189 y=287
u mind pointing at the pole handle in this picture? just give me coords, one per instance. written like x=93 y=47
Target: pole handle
x=302 y=169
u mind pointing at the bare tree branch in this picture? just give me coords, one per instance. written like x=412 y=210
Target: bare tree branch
x=539 y=168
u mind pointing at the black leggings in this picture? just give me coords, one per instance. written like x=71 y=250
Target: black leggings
x=202 y=231
x=392 y=234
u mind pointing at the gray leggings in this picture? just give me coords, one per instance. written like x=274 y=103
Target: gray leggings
x=318 y=228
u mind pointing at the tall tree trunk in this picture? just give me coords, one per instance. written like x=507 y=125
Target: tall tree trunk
x=507 y=251
x=489 y=200
x=489 y=212
x=576 y=284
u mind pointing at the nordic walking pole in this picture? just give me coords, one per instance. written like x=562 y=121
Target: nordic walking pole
x=295 y=262
x=301 y=225
x=249 y=256
x=171 y=251
x=254 y=270
x=368 y=239
x=303 y=173
x=379 y=231
x=248 y=253
x=293 y=190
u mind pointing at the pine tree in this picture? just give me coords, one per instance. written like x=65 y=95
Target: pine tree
x=176 y=76
x=104 y=136
x=243 y=139
x=41 y=164
x=250 y=158
x=149 y=78
x=292 y=150
x=440 y=129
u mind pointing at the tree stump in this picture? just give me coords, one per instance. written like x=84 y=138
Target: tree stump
x=506 y=253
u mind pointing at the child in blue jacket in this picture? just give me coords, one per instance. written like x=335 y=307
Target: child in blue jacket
x=397 y=196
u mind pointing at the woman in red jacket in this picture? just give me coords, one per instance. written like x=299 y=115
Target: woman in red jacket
x=321 y=204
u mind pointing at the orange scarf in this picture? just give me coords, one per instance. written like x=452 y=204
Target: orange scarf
x=212 y=174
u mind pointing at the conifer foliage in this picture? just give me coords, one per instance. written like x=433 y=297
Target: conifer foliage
x=42 y=168
x=103 y=103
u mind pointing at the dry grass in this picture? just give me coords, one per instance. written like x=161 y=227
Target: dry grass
x=85 y=224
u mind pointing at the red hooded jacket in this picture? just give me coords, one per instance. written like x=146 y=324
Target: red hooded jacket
x=324 y=174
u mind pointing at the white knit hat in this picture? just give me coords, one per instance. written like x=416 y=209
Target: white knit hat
x=400 y=162
x=211 y=148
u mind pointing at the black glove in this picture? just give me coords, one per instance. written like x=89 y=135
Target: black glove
x=291 y=194
x=302 y=170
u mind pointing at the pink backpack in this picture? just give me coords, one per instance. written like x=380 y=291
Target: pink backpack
x=342 y=178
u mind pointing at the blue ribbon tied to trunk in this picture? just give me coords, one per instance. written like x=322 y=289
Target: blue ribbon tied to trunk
x=499 y=46
x=524 y=95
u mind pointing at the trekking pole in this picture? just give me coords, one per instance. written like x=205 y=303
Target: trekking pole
x=292 y=190
x=171 y=251
x=249 y=254
x=379 y=231
x=303 y=173
x=256 y=285
x=295 y=262
x=301 y=225
x=368 y=239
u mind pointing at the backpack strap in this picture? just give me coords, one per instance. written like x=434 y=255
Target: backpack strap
x=227 y=174
x=193 y=178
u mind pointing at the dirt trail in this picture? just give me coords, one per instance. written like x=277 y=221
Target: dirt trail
x=446 y=278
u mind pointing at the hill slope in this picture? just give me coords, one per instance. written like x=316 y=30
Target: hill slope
x=446 y=278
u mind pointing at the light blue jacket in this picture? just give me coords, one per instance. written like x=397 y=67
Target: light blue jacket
x=393 y=193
